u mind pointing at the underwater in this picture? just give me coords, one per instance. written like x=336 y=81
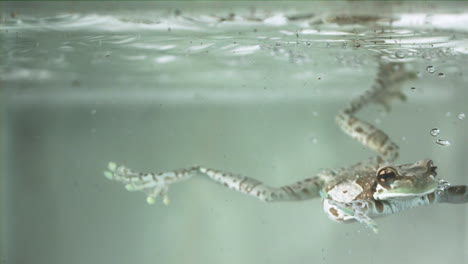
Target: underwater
x=300 y=132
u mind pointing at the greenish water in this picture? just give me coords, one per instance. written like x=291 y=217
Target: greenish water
x=251 y=88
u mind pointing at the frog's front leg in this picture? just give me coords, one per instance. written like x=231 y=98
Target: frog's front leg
x=357 y=210
x=157 y=184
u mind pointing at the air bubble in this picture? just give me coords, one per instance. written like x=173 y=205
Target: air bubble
x=430 y=69
x=435 y=132
x=443 y=142
x=442 y=182
x=442 y=185
x=413 y=88
x=441 y=75
x=461 y=116
x=400 y=54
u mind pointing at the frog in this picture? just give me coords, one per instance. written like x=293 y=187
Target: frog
x=361 y=192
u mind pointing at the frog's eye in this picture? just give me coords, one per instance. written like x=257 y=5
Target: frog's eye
x=386 y=176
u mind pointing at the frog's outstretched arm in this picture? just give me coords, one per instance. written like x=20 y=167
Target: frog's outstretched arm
x=156 y=184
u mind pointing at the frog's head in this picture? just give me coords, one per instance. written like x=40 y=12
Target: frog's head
x=407 y=180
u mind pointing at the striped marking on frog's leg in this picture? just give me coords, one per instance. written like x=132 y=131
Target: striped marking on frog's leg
x=303 y=190
x=368 y=135
x=385 y=88
x=157 y=184
x=153 y=184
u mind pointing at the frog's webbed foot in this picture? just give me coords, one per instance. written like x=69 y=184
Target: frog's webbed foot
x=357 y=210
x=385 y=98
x=389 y=83
x=154 y=185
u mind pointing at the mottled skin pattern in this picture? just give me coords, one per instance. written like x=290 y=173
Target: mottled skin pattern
x=359 y=193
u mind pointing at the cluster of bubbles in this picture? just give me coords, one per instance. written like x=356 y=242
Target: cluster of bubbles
x=442 y=185
x=443 y=142
x=431 y=69
x=435 y=131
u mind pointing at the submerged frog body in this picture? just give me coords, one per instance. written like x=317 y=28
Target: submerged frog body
x=359 y=193
x=377 y=191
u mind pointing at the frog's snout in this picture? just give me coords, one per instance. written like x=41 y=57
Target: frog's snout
x=431 y=167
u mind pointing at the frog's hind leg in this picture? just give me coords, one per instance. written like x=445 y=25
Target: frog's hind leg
x=157 y=184
x=385 y=88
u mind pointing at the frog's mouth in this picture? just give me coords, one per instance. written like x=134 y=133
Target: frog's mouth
x=405 y=193
x=431 y=168
x=416 y=192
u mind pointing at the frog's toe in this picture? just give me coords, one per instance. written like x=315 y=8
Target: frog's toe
x=387 y=97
